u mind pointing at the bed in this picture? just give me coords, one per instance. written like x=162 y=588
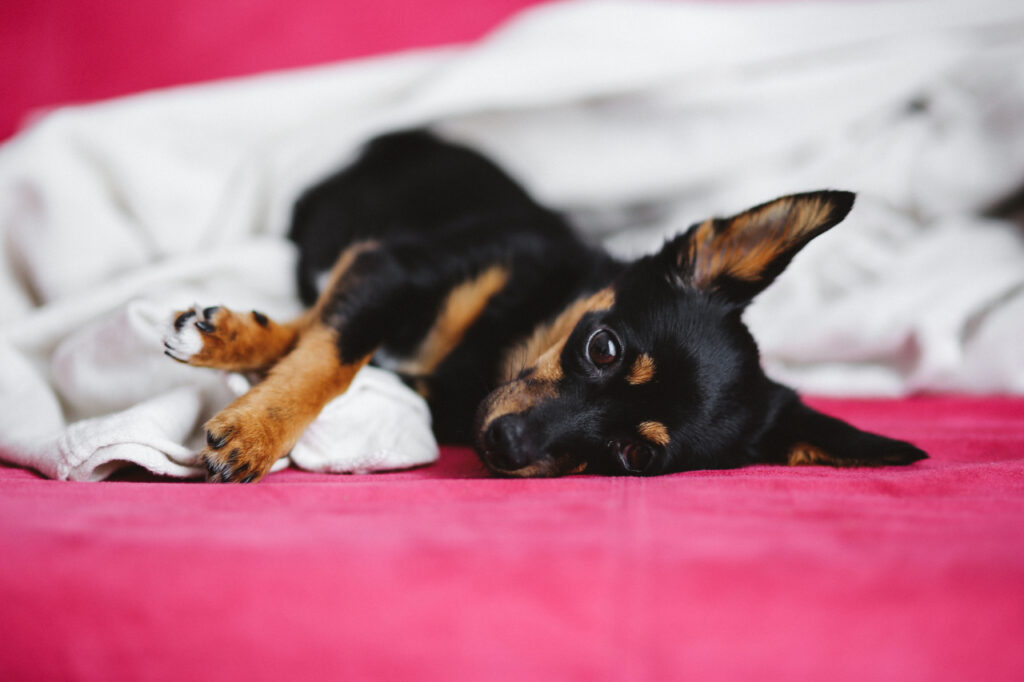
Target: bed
x=443 y=572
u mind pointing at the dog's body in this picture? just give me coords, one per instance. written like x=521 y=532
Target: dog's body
x=544 y=352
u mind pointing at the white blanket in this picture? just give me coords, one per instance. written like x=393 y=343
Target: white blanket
x=635 y=118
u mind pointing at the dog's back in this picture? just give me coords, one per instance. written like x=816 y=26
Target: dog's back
x=405 y=185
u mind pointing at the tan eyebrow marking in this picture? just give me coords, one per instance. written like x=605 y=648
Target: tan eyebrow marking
x=544 y=347
x=642 y=370
x=654 y=432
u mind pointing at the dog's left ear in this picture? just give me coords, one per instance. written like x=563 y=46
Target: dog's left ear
x=738 y=257
x=803 y=435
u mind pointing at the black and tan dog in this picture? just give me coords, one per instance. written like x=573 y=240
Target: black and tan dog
x=543 y=351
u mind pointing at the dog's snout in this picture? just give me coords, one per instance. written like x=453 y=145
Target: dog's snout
x=505 y=443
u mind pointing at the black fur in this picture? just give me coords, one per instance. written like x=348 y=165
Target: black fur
x=440 y=213
x=444 y=214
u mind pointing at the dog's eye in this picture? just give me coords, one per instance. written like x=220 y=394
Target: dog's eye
x=602 y=348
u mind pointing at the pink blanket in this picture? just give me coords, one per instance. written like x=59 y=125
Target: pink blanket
x=443 y=573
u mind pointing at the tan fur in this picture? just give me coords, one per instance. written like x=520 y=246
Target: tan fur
x=517 y=397
x=544 y=347
x=239 y=343
x=342 y=265
x=546 y=468
x=654 y=432
x=749 y=242
x=461 y=308
x=642 y=370
x=261 y=426
x=803 y=454
x=580 y=468
x=541 y=352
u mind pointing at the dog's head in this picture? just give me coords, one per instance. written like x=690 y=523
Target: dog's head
x=657 y=373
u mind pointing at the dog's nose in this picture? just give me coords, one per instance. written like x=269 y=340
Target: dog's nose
x=505 y=444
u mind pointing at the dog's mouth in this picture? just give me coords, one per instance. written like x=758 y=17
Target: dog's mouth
x=549 y=466
x=518 y=444
x=520 y=460
x=518 y=457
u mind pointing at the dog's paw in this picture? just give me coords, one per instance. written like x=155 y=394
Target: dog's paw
x=239 y=447
x=222 y=339
x=188 y=332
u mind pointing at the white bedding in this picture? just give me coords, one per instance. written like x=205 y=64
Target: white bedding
x=636 y=118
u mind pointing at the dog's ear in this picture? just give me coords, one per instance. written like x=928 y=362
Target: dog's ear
x=738 y=257
x=802 y=435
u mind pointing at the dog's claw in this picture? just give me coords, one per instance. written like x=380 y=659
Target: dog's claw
x=182 y=319
x=233 y=453
x=216 y=472
x=217 y=442
x=204 y=326
x=228 y=471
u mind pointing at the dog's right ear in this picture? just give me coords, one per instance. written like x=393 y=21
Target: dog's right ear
x=737 y=257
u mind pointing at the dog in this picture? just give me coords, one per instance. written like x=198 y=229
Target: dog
x=544 y=352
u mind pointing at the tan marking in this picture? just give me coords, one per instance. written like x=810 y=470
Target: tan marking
x=546 y=468
x=549 y=365
x=517 y=397
x=803 y=454
x=422 y=387
x=543 y=349
x=748 y=243
x=642 y=371
x=461 y=308
x=654 y=432
x=264 y=424
x=239 y=343
x=341 y=266
x=579 y=469
x=540 y=469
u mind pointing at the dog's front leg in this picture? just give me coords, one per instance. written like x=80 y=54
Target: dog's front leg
x=249 y=435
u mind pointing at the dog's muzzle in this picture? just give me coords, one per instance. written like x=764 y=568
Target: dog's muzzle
x=508 y=448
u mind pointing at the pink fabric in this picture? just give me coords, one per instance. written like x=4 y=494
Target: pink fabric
x=443 y=573
x=64 y=51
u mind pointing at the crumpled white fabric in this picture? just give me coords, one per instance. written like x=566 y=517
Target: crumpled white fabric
x=149 y=409
x=640 y=115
